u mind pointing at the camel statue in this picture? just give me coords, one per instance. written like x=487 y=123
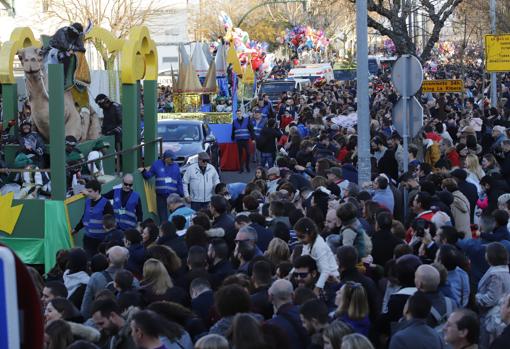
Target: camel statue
x=82 y=124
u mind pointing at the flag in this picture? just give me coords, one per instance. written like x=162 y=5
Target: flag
x=234 y=95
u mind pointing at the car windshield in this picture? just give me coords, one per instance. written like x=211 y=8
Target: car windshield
x=277 y=88
x=179 y=133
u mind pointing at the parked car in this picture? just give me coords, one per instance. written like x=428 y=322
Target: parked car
x=187 y=138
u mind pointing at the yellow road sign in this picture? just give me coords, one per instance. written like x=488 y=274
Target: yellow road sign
x=497 y=53
x=439 y=86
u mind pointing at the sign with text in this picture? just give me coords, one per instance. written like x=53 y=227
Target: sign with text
x=497 y=53
x=439 y=86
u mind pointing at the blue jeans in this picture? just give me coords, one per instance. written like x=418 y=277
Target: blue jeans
x=162 y=207
x=266 y=158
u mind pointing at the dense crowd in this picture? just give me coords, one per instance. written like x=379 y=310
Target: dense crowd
x=302 y=256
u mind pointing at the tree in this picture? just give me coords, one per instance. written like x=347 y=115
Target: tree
x=389 y=17
x=117 y=16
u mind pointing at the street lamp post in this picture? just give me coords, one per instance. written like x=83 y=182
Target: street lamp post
x=364 y=168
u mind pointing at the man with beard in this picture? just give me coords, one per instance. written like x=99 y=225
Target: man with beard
x=107 y=317
x=385 y=157
x=305 y=272
x=331 y=224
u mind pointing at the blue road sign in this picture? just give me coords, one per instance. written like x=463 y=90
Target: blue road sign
x=9 y=319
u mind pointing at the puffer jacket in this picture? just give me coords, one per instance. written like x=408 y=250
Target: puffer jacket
x=460 y=212
x=353 y=234
x=198 y=185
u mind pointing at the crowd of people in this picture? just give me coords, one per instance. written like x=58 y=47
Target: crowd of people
x=303 y=256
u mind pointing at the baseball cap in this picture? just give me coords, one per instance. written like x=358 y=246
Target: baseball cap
x=168 y=154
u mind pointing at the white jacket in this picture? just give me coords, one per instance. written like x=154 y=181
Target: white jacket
x=324 y=258
x=198 y=185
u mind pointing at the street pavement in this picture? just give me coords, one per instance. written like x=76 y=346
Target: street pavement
x=235 y=177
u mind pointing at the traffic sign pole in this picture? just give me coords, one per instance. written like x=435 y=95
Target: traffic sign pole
x=407 y=77
x=405 y=135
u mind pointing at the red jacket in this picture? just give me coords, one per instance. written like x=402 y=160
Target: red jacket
x=454 y=158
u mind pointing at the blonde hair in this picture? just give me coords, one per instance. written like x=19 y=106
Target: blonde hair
x=336 y=331
x=212 y=341
x=277 y=251
x=156 y=276
x=354 y=301
x=356 y=341
x=473 y=165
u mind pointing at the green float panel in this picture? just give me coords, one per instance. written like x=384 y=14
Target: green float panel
x=129 y=127
x=10 y=107
x=57 y=131
x=150 y=119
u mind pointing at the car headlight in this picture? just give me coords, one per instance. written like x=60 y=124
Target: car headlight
x=192 y=159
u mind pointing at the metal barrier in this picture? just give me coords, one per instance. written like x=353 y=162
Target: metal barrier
x=82 y=163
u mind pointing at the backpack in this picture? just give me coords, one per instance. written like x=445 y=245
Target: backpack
x=441 y=320
x=109 y=281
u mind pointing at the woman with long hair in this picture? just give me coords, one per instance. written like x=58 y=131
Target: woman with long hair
x=247 y=333
x=212 y=341
x=474 y=170
x=356 y=341
x=157 y=285
x=490 y=165
x=333 y=334
x=57 y=335
x=260 y=173
x=278 y=251
x=168 y=257
x=352 y=304
x=61 y=309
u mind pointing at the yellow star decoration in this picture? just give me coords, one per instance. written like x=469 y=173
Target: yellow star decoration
x=8 y=215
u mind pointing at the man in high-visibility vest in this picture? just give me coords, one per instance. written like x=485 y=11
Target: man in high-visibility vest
x=96 y=206
x=127 y=205
x=168 y=181
x=242 y=132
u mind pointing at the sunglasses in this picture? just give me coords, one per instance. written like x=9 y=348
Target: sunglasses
x=300 y=275
x=128 y=184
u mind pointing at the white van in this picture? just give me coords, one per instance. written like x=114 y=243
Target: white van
x=312 y=72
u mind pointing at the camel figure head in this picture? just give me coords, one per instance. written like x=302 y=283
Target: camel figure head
x=32 y=59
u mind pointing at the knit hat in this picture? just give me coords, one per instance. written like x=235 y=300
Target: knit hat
x=273 y=171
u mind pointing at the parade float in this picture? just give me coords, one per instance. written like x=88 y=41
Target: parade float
x=37 y=228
